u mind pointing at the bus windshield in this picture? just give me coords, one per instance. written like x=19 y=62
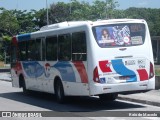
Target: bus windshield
x=117 y=35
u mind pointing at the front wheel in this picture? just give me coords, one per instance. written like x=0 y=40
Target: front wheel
x=59 y=91
x=108 y=97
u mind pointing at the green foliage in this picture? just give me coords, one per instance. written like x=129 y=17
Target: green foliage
x=152 y=16
x=26 y=20
x=2 y=57
x=7 y=38
x=76 y=10
x=57 y=11
x=8 y=21
x=23 y=21
x=40 y=18
x=18 y=21
x=157 y=71
x=79 y=11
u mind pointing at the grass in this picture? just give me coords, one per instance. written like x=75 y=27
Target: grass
x=157 y=71
x=2 y=65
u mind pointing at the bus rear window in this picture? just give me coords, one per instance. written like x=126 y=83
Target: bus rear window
x=117 y=35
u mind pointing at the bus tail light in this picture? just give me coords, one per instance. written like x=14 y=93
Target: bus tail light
x=151 y=71
x=95 y=75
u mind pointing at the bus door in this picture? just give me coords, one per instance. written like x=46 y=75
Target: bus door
x=29 y=64
x=40 y=64
x=49 y=47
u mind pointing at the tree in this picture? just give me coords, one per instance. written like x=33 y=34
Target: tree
x=80 y=11
x=5 y=39
x=40 y=18
x=59 y=12
x=104 y=9
x=25 y=20
x=8 y=21
x=152 y=16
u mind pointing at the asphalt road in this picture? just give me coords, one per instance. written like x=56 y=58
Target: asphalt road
x=12 y=99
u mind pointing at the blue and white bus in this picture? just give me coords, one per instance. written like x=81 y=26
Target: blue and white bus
x=85 y=58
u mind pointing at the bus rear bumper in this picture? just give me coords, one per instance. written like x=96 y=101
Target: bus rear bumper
x=123 y=88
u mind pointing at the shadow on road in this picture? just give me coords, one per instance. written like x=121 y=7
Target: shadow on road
x=74 y=104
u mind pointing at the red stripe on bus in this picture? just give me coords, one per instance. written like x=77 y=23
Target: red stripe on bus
x=82 y=71
x=14 y=41
x=105 y=66
x=18 y=67
x=143 y=74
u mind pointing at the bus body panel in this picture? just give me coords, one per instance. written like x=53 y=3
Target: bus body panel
x=15 y=78
x=122 y=69
x=40 y=75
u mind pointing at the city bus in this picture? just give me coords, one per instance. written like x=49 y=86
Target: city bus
x=85 y=58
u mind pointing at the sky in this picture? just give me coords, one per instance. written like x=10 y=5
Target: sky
x=39 y=4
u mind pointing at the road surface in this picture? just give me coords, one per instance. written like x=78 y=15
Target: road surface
x=12 y=99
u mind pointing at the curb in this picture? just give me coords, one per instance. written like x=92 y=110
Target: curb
x=6 y=80
x=139 y=101
x=4 y=70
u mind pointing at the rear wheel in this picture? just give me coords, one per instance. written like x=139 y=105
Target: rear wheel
x=59 y=91
x=23 y=85
x=108 y=97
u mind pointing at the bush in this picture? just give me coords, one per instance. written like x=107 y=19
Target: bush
x=157 y=71
x=1 y=57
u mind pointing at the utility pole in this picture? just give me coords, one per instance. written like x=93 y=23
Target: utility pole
x=47 y=12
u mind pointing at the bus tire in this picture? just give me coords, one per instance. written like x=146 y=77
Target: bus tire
x=108 y=97
x=59 y=92
x=23 y=85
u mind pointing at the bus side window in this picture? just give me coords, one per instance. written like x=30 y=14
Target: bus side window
x=31 y=50
x=79 y=49
x=51 y=48
x=64 y=47
x=22 y=50
x=38 y=50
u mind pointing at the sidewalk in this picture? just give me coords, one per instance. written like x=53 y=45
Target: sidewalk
x=151 y=98
x=6 y=76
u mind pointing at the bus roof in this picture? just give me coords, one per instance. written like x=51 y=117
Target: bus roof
x=110 y=21
x=66 y=24
x=77 y=23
